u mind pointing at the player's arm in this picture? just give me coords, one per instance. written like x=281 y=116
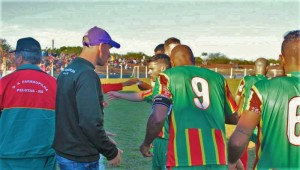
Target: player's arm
x=240 y=138
x=130 y=82
x=160 y=109
x=144 y=86
x=118 y=86
x=127 y=96
x=248 y=121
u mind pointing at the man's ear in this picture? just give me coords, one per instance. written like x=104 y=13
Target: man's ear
x=163 y=68
x=100 y=48
x=282 y=59
x=19 y=59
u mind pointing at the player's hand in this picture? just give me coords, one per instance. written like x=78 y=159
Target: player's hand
x=236 y=166
x=105 y=104
x=117 y=160
x=110 y=134
x=112 y=95
x=145 y=150
x=112 y=140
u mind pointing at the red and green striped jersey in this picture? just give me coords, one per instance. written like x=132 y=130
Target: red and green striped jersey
x=148 y=96
x=246 y=83
x=201 y=99
x=277 y=101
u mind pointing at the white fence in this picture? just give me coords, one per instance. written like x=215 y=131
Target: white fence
x=141 y=72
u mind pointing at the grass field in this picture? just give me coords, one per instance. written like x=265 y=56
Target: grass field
x=128 y=121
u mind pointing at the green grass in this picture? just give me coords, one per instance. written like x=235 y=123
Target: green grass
x=128 y=120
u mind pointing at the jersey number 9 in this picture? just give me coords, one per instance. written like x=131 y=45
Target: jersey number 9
x=202 y=93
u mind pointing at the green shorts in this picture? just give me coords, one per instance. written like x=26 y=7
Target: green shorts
x=205 y=167
x=159 y=158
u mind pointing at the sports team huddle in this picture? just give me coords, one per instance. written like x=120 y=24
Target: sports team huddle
x=48 y=123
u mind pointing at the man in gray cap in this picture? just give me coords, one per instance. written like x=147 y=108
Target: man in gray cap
x=80 y=134
x=27 y=102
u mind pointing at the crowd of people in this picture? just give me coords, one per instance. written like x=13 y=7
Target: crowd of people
x=47 y=122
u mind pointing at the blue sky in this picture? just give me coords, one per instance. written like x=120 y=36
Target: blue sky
x=238 y=29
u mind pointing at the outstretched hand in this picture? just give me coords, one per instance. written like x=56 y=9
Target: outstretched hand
x=112 y=95
x=117 y=160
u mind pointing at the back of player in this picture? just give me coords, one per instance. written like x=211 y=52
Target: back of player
x=197 y=121
x=248 y=82
x=279 y=123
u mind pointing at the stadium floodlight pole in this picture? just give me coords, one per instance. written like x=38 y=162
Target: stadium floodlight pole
x=52 y=44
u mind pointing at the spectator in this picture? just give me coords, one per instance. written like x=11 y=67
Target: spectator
x=27 y=103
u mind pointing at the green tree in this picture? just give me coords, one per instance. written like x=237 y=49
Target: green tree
x=218 y=58
x=4 y=45
x=198 y=60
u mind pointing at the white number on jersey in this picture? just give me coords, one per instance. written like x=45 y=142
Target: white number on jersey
x=293 y=119
x=204 y=93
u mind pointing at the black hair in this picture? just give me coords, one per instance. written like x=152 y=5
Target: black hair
x=289 y=36
x=31 y=57
x=159 y=47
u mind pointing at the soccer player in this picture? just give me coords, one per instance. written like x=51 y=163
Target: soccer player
x=273 y=106
x=159 y=49
x=156 y=64
x=243 y=92
x=201 y=104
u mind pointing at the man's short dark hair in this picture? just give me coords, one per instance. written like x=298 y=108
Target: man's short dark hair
x=159 y=47
x=161 y=58
x=292 y=35
x=31 y=57
x=289 y=36
x=171 y=40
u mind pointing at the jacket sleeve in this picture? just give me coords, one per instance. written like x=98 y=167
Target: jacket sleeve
x=88 y=97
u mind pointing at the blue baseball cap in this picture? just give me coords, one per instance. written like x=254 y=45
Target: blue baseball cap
x=28 y=44
x=96 y=35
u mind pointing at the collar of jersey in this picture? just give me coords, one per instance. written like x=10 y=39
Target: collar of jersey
x=29 y=67
x=294 y=74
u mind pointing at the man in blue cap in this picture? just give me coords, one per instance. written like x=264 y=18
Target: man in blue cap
x=27 y=121
x=80 y=134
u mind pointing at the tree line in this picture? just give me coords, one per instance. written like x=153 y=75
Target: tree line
x=205 y=58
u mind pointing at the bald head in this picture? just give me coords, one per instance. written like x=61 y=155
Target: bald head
x=182 y=55
x=290 y=51
x=261 y=66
